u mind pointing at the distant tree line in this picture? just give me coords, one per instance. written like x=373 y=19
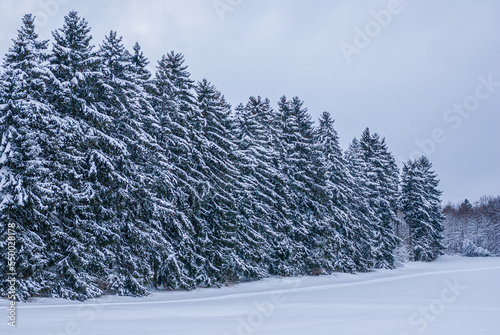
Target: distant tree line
x=473 y=229
x=117 y=180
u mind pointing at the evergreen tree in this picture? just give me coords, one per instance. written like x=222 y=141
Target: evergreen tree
x=175 y=104
x=234 y=247
x=28 y=127
x=382 y=182
x=420 y=205
x=340 y=239
x=434 y=202
x=364 y=214
x=262 y=202
x=76 y=66
x=307 y=194
x=156 y=176
x=86 y=240
x=125 y=181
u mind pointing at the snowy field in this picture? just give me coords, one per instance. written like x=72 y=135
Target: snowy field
x=453 y=295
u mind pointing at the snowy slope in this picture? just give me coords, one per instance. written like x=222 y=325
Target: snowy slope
x=453 y=295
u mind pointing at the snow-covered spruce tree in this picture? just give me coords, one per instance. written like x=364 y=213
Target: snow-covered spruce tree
x=103 y=206
x=307 y=192
x=156 y=177
x=175 y=104
x=295 y=191
x=434 y=201
x=465 y=224
x=382 y=177
x=27 y=191
x=236 y=247
x=340 y=239
x=415 y=209
x=420 y=205
x=364 y=215
x=83 y=257
x=130 y=171
x=262 y=202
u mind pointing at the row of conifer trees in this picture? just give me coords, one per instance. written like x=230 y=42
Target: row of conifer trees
x=117 y=180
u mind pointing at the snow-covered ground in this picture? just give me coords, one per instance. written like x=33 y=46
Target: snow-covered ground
x=453 y=295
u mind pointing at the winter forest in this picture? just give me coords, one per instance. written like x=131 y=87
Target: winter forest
x=117 y=180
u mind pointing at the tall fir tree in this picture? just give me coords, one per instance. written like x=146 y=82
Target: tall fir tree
x=156 y=177
x=364 y=213
x=434 y=200
x=174 y=102
x=263 y=201
x=340 y=239
x=382 y=177
x=307 y=193
x=27 y=191
x=85 y=166
x=421 y=207
x=125 y=189
x=234 y=243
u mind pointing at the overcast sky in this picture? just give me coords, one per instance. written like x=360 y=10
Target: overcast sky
x=423 y=74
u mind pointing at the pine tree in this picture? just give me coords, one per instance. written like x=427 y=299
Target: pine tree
x=434 y=201
x=139 y=63
x=76 y=66
x=364 y=214
x=175 y=104
x=234 y=246
x=382 y=178
x=420 y=205
x=340 y=237
x=262 y=202
x=307 y=193
x=84 y=247
x=156 y=177
x=28 y=127
x=124 y=183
